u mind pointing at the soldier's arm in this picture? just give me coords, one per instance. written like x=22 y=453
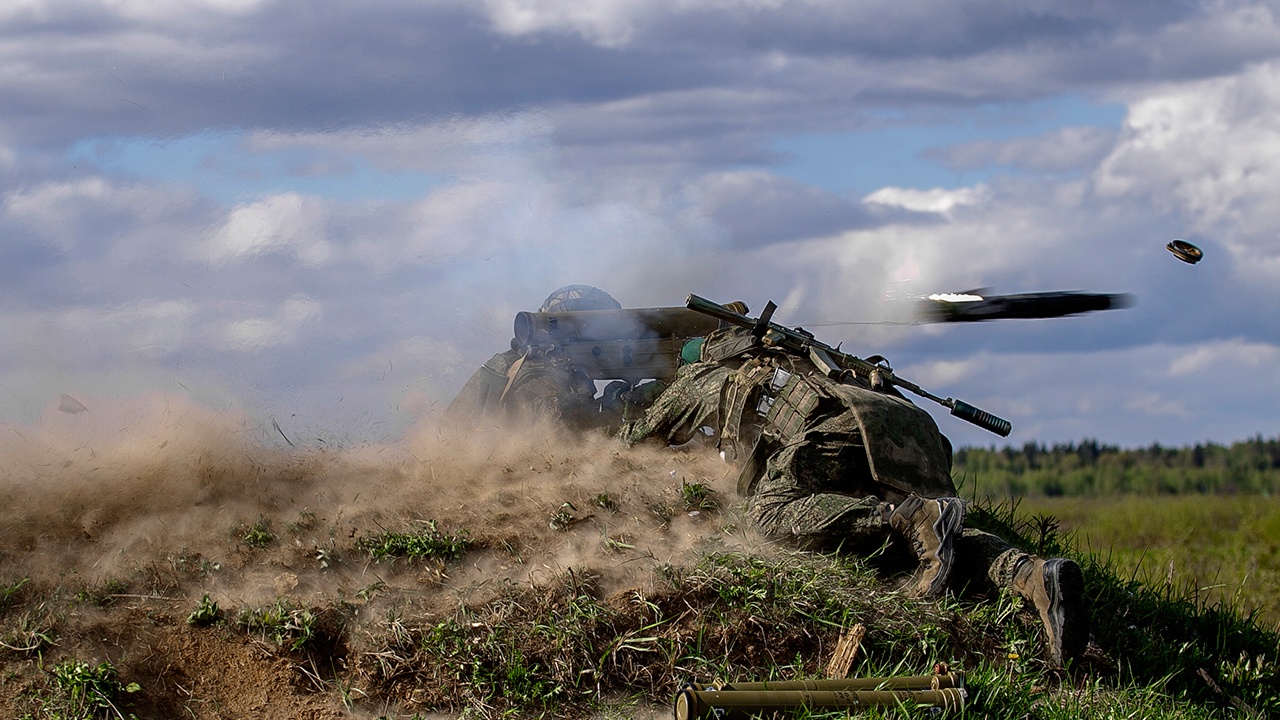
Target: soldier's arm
x=692 y=400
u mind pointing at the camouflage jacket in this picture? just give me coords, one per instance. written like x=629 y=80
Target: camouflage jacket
x=759 y=400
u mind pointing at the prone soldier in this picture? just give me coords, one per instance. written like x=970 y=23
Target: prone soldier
x=580 y=362
x=830 y=458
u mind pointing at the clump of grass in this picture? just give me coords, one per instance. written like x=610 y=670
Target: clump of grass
x=259 y=534
x=284 y=623
x=205 y=614
x=484 y=660
x=104 y=593
x=428 y=543
x=83 y=690
x=11 y=594
x=697 y=496
x=561 y=648
x=31 y=632
x=306 y=521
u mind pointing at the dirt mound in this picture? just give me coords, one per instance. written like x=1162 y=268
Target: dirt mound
x=128 y=518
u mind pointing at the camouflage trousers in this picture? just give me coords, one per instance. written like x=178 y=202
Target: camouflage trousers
x=819 y=492
x=832 y=521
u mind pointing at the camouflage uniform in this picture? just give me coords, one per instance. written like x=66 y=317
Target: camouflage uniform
x=823 y=462
x=512 y=387
x=523 y=386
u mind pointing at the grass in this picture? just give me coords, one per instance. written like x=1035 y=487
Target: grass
x=1162 y=639
x=559 y=649
x=427 y=543
x=79 y=690
x=259 y=534
x=563 y=646
x=1213 y=549
x=286 y=624
x=697 y=496
x=104 y=593
x=11 y=593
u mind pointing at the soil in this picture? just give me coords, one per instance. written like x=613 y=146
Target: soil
x=123 y=520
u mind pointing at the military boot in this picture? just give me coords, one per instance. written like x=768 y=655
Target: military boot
x=930 y=525
x=1056 y=587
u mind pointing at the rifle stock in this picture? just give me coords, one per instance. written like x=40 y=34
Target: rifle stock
x=833 y=362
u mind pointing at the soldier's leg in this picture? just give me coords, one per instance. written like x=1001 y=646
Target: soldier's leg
x=1054 y=586
x=798 y=497
x=931 y=525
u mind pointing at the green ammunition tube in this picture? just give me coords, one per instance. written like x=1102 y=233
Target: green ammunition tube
x=692 y=704
x=897 y=682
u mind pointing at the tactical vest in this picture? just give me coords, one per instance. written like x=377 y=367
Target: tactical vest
x=774 y=397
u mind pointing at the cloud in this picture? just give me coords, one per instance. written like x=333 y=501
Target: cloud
x=393 y=182
x=935 y=200
x=285 y=222
x=1129 y=396
x=1070 y=149
x=284 y=326
x=757 y=208
x=1209 y=152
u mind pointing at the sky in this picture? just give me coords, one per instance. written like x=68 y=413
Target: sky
x=326 y=215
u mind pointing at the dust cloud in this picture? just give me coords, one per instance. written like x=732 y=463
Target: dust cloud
x=125 y=487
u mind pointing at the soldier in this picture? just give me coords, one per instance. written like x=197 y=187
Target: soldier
x=522 y=386
x=830 y=463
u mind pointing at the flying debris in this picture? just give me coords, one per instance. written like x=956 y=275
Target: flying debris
x=972 y=307
x=68 y=404
x=1185 y=251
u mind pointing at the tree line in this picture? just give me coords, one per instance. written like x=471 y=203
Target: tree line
x=1091 y=468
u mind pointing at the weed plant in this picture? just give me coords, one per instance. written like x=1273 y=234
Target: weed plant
x=11 y=593
x=205 y=614
x=81 y=691
x=258 y=535
x=284 y=623
x=430 y=542
x=697 y=496
x=103 y=594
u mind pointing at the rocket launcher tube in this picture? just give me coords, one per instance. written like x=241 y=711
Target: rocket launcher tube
x=800 y=341
x=692 y=703
x=897 y=682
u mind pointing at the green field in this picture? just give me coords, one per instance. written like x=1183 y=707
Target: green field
x=1220 y=549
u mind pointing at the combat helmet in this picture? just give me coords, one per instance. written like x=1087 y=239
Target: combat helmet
x=579 y=297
